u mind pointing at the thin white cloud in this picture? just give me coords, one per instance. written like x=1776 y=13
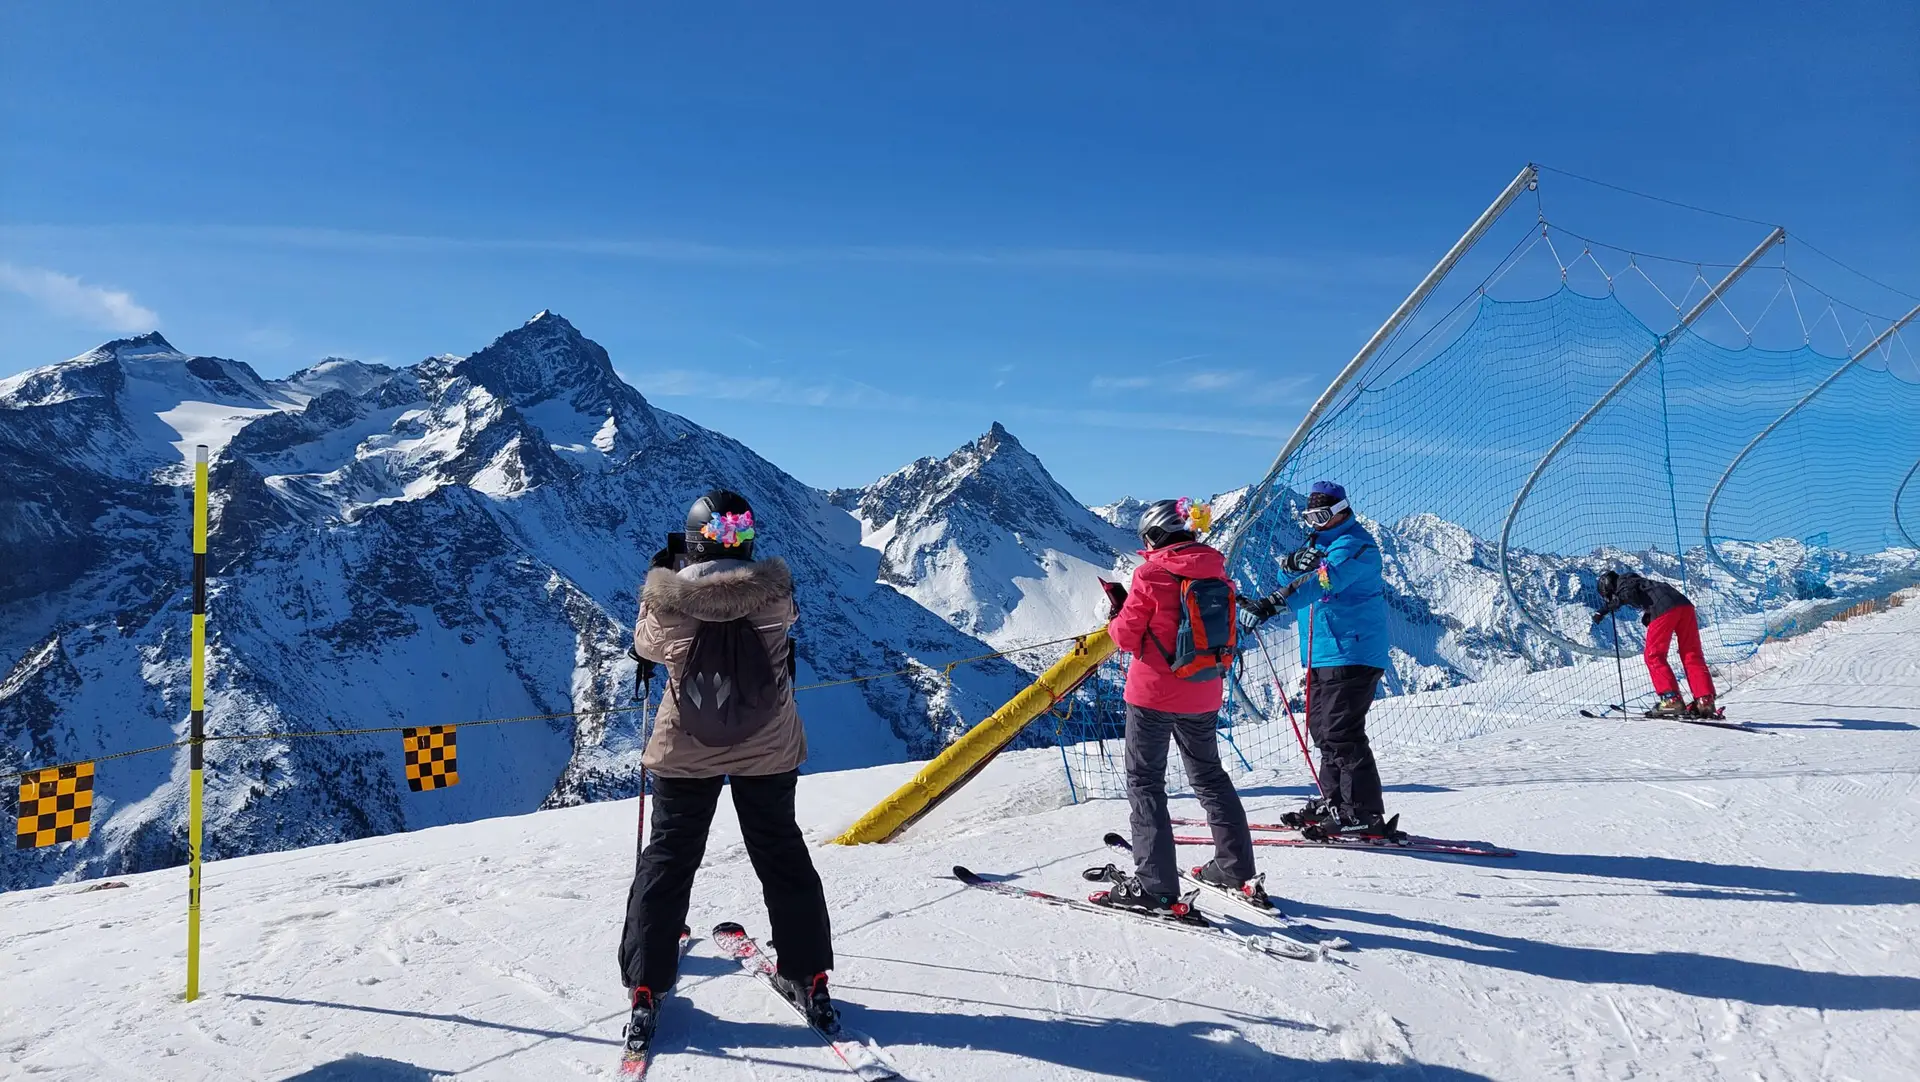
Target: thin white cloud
x=1162 y=421
x=842 y=393
x=1300 y=271
x=837 y=393
x=68 y=297
x=1212 y=381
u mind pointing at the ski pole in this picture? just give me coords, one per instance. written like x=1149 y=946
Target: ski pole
x=1307 y=695
x=646 y=735
x=1286 y=701
x=1619 y=666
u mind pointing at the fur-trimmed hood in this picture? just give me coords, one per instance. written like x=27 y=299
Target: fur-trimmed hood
x=719 y=590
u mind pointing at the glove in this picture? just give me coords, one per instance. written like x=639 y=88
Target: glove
x=1304 y=560
x=1263 y=609
x=793 y=660
x=643 y=668
x=1646 y=618
x=1116 y=597
x=1599 y=617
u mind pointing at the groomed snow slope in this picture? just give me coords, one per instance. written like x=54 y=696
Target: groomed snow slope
x=1688 y=903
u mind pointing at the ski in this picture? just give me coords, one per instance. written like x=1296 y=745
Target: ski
x=1408 y=844
x=1277 y=948
x=1713 y=724
x=859 y=1052
x=1291 y=928
x=634 y=1062
x=1716 y=722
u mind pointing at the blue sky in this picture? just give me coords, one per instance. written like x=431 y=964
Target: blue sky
x=860 y=233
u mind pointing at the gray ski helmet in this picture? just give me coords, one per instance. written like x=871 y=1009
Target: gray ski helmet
x=1162 y=524
x=720 y=527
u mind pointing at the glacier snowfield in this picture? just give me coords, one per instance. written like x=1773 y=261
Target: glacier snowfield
x=1687 y=903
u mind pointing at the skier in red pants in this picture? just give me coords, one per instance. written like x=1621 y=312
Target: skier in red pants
x=1668 y=615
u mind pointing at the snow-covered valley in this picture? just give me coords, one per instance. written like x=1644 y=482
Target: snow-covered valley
x=1686 y=903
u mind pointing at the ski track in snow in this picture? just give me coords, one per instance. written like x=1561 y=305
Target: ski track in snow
x=1687 y=903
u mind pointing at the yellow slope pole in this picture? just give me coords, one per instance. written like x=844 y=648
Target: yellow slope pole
x=197 y=720
x=970 y=754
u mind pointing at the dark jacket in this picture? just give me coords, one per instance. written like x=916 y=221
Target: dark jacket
x=672 y=605
x=1651 y=596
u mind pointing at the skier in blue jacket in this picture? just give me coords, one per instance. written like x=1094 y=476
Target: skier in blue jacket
x=1341 y=604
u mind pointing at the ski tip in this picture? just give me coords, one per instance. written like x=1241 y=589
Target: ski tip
x=1114 y=838
x=727 y=927
x=961 y=873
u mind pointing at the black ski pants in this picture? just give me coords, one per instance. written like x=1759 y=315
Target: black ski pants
x=1155 y=861
x=682 y=811
x=1339 y=698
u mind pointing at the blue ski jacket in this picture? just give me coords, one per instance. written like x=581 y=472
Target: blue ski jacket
x=1342 y=605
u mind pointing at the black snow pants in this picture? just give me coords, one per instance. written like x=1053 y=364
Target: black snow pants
x=1155 y=862
x=1337 y=718
x=682 y=810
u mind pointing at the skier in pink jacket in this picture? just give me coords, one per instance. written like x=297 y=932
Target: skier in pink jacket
x=1147 y=623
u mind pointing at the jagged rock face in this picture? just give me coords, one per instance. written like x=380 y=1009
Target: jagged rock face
x=987 y=539
x=455 y=540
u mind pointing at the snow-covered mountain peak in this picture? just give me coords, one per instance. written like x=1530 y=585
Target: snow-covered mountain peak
x=544 y=359
x=148 y=346
x=986 y=538
x=336 y=374
x=1123 y=513
x=998 y=480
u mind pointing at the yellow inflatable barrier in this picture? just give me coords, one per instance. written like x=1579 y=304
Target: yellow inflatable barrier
x=967 y=756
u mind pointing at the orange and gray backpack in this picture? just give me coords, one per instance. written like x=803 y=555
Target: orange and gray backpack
x=1208 y=633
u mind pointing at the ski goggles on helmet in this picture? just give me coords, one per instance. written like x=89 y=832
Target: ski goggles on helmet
x=1317 y=518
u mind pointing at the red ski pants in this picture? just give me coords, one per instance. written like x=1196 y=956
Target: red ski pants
x=1683 y=623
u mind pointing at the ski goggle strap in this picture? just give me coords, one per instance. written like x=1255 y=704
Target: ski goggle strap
x=1318 y=517
x=728 y=528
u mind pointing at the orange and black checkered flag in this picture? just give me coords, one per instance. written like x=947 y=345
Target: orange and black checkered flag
x=56 y=805
x=430 y=757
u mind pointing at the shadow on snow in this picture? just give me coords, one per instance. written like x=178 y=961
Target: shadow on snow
x=1704 y=975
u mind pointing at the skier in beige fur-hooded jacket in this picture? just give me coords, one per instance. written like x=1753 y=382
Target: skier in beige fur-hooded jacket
x=672 y=606
x=719 y=626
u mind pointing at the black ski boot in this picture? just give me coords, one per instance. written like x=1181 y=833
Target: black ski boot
x=1313 y=812
x=1705 y=709
x=1128 y=894
x=1671 y=705
x=1253 y=890
x=810 y=995
x=1347 y=826
x=641 y=1023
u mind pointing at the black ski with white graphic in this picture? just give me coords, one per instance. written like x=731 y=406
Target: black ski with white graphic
x=1291 y=928
x=861 y=1055
x=1273 y=947
x=1718 y=721
x=637 y=1056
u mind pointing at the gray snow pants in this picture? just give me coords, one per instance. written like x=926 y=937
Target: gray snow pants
x=1147 y=734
